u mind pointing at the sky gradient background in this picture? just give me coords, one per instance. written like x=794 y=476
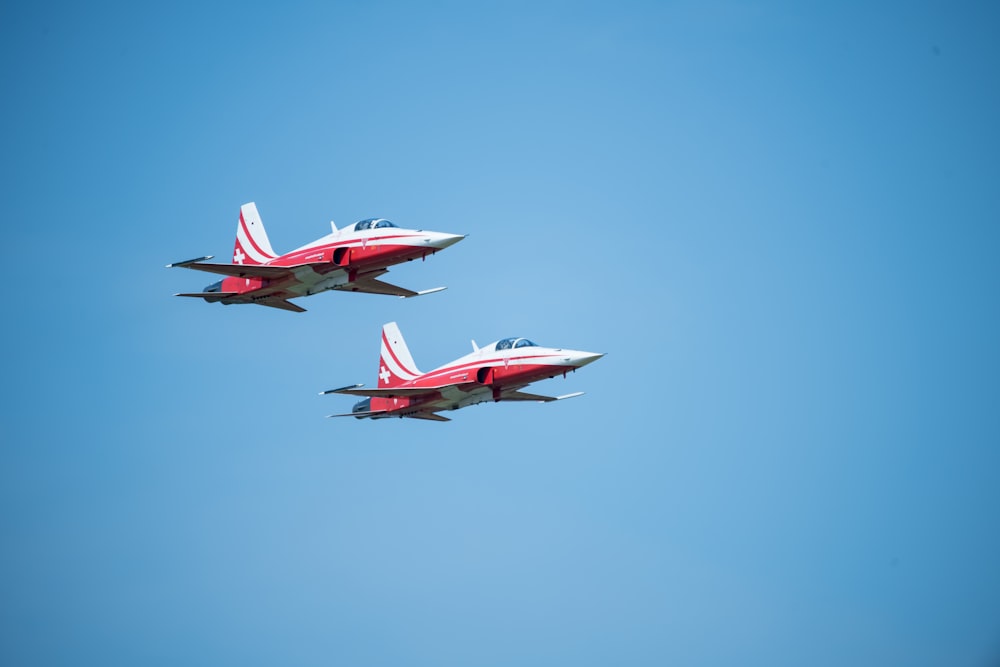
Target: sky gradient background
x=780 y=220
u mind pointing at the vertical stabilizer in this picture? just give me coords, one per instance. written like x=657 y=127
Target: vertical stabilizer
x=252 y=245
x=395 y=365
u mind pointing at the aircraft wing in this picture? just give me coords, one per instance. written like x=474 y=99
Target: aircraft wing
x=375 y=286
x=236 y=270
x=284 y=304
x=524 y=396
x=239 y=270
x=357 y=390
x=368 y=284
x=515 y=395
x=433 y=416
x=273 y=302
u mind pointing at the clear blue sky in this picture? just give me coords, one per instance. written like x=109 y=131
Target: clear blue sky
x=780 y=220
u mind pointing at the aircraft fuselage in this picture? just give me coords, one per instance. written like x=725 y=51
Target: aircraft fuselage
x=479 y=378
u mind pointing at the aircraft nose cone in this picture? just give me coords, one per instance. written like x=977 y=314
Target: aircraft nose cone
x=585 y=358
x=441 y=240
x=578 y=359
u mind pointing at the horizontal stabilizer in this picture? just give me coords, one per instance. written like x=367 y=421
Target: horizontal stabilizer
x=367 y=413
x=205 y=295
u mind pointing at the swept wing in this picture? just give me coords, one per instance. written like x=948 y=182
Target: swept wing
x=359 y=390
x=238 y=270
x=525 y=396
x=368 y=284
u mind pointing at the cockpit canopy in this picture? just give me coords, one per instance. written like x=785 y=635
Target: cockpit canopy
x=508 y=343
x=372 y=223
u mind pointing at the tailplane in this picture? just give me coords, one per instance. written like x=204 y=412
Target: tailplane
x=252 y=245
x=395 y=365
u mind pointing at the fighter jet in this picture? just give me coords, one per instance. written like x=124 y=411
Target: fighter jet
x=349 y=259
x=495 y=372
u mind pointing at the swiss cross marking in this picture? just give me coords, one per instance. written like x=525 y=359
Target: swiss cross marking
x=239 y=256
x=384 y=375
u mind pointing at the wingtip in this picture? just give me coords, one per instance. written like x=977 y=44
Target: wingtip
x=334 y=391
x=423 y=292
x=190 y=261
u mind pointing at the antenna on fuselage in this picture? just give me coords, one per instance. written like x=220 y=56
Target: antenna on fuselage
x=475 y=348
x=333 y=226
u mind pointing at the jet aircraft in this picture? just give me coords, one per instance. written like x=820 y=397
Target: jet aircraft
x=495 y=372
x=350 y=259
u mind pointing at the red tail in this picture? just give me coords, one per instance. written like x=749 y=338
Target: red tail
x=395 y=365
x=252 y=245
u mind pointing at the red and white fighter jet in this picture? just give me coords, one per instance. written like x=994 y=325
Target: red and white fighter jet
x=495 y=372
x=349 y=259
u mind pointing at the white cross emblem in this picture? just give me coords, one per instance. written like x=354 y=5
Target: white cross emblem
x=239 y=256
x=384 y=375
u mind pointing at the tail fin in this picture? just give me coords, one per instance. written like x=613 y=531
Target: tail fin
x=395 y=365
x=252 y=245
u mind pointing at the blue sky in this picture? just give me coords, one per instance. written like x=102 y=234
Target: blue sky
x=780 y=221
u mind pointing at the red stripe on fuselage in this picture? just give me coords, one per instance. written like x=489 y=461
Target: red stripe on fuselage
x=294 y=258
x=492 y=361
